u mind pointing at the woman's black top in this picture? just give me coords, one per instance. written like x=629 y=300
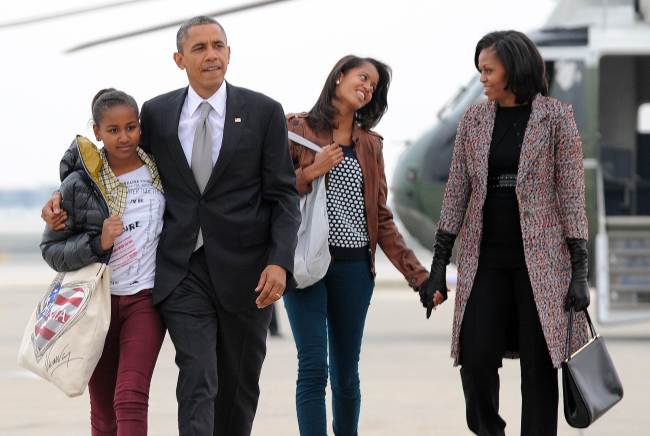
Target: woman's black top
x=501 y=244
x=346 y=210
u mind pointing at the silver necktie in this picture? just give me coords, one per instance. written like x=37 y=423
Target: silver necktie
x=202 y=156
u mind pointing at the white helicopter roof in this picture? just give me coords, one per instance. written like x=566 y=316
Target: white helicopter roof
x=615 y=27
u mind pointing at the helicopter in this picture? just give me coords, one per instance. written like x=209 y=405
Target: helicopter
x=597 y=58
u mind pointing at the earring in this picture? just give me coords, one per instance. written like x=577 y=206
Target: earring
x=338 y=82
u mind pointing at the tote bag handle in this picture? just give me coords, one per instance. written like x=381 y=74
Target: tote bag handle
x=570 y=330
x=304 y=142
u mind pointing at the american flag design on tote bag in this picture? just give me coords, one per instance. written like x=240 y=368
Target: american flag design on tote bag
x=57 y=311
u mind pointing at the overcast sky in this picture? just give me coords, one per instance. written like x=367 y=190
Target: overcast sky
x=284 y=51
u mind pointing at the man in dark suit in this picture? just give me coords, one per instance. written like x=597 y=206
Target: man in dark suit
x=227 y=246
x=247 y=217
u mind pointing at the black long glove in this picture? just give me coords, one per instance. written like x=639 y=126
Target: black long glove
x=437 y=280
x=578 y=294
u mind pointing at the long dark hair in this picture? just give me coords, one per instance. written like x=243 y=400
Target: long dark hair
x=525 y=70
x=323 y=115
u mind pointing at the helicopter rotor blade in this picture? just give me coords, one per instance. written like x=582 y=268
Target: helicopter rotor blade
x=248 y=6
x=68 y=13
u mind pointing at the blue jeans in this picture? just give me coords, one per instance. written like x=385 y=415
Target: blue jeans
x=331 y=311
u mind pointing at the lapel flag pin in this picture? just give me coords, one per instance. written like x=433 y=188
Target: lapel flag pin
x=237 y=120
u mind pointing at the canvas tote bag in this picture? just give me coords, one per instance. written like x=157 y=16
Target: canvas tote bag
x=312 y=258
x=65 y=335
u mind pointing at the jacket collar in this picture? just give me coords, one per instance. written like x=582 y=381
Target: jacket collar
x=95 y=164
x=90 y=160
x=235 y=119
x=217 y=100
x=531 y=142
x=234 y=123
x=534 y=139
x=117 y=190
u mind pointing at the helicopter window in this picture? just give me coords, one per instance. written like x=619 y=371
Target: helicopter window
x=567 y=74
x=566 y=83
x=624 y=133
x=440 y=139
x=438 y=155
x=644 y=119
x=466 y=95
x=643 y=159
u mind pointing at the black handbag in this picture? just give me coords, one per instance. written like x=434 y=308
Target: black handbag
x=590 y=384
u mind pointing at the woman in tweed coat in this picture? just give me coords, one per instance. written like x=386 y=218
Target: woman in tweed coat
x=515 y=196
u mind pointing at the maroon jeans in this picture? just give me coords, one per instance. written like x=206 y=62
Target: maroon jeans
x=119 y=387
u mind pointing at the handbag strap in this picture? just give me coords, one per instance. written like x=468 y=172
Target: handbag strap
x=304 y=142
x=570 y=330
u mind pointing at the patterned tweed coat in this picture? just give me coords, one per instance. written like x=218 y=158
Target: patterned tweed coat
x=550 y=192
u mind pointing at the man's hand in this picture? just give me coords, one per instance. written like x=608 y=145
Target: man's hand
x=111 y=229
x=271 y=285
x=52 y=213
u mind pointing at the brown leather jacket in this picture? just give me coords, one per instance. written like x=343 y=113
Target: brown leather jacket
x=381 y=228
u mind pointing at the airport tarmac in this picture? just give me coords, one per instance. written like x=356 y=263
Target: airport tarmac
x=409 y=385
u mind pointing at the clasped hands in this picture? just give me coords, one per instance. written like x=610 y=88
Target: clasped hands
x=434 y=290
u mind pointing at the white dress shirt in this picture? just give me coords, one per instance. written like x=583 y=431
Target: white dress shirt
x=190 y=118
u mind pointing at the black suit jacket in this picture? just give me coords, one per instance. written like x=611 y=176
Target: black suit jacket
x=249 y=211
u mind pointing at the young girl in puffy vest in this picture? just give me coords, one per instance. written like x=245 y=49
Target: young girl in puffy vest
x=113 y=204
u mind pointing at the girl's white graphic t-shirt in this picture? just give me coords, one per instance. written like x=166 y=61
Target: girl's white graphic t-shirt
x=133 y=261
